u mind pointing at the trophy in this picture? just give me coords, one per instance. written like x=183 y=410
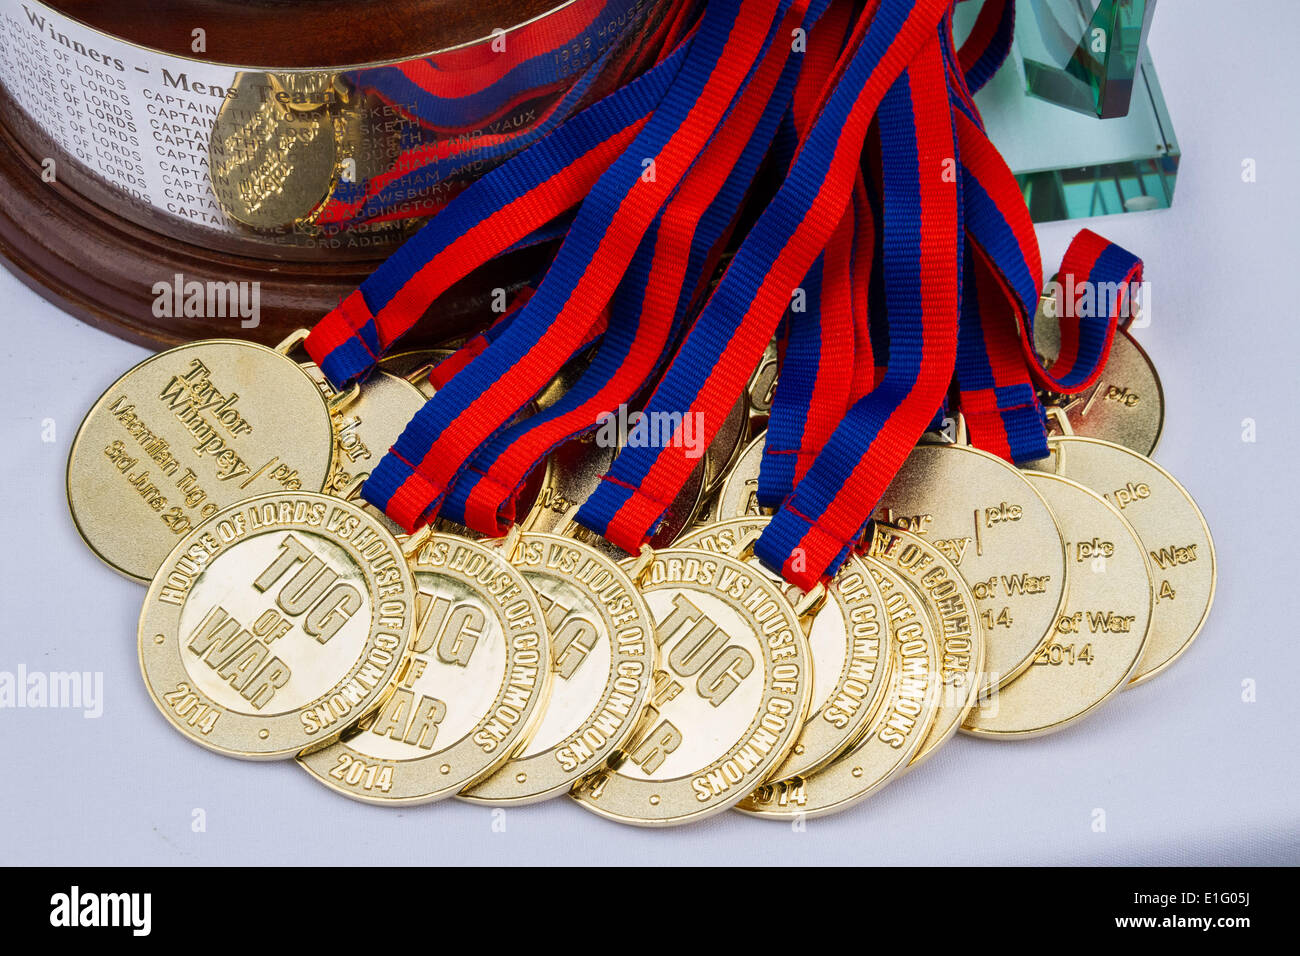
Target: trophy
x=166 y=168
x=1077 y=109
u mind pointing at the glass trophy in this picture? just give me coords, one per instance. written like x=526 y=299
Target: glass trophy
x=1077 y=110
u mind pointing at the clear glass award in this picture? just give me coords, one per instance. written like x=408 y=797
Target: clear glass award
x=1077 y=110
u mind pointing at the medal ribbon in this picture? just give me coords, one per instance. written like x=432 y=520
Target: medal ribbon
x=910 y=265
x=998 y=367
x=988 y=44
x=495 y=212
x=728 y=338
x=411 y=481
x=661 y=284
x=817 y=354
x=817 y=526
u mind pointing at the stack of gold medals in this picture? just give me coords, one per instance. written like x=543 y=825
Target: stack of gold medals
x=285 y=618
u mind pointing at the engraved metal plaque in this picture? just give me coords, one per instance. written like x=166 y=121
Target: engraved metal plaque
x=310 y=164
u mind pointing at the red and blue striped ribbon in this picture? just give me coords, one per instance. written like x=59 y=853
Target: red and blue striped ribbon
x=998 y=369
x=816 y=371
x=505 y=206
x=412 y=480
x=919 y=265
x=816 y=349
x=920 y=243
x=656 y=295
x=1105 y=280
x=481 y=85
x=989 y=43
x=736 y=324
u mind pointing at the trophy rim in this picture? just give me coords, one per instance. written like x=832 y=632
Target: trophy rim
x=556 y=7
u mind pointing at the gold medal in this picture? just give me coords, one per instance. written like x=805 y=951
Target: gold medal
x=275 y=625
x=999 y=533
x=572 y=473
x=471 y=695
x=739 y=495
x=272 y=165
x=1126 y=405
x=368 y=425
x=1172 y=530
x=954 y=616
x=897 y=732
x=186 y=433
x=1102 y=632
x=729 y=699
x=602 y=662
x=850 y=645
x=722 y=451
x=415 y=367
x=762 y=386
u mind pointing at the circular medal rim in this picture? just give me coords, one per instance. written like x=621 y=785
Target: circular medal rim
x=339 y=478
x=527 y=725
x=886 y=639
x=759 y=441
x=1160 y=393
x=1053 y=400
x=906 y=759
x=1143 y=677
x=932 y=743
x=727 y=802
x=1007 y=677
x=96 y=405
x=974 y=730
x=557 y=787
x=172 y=647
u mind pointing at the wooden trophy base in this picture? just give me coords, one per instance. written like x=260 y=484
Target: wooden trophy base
x=66 y=243
x=90 y=263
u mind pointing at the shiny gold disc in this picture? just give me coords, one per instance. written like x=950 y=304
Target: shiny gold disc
x=366 y=427
x=729 y=698
x=470 y=697
x=276 y=624
x=602 y=662
x=739 y=495
x=186 y=433
x=999 y=533
x=726 y=445
x=1172 y=530
x=761 y=389
x=1102 y=632
x=415 y=366
x=272 y=166
x=849 y=640
x=1126 y=405
x=897 y=731
x=573 y=473
x=954 y=616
